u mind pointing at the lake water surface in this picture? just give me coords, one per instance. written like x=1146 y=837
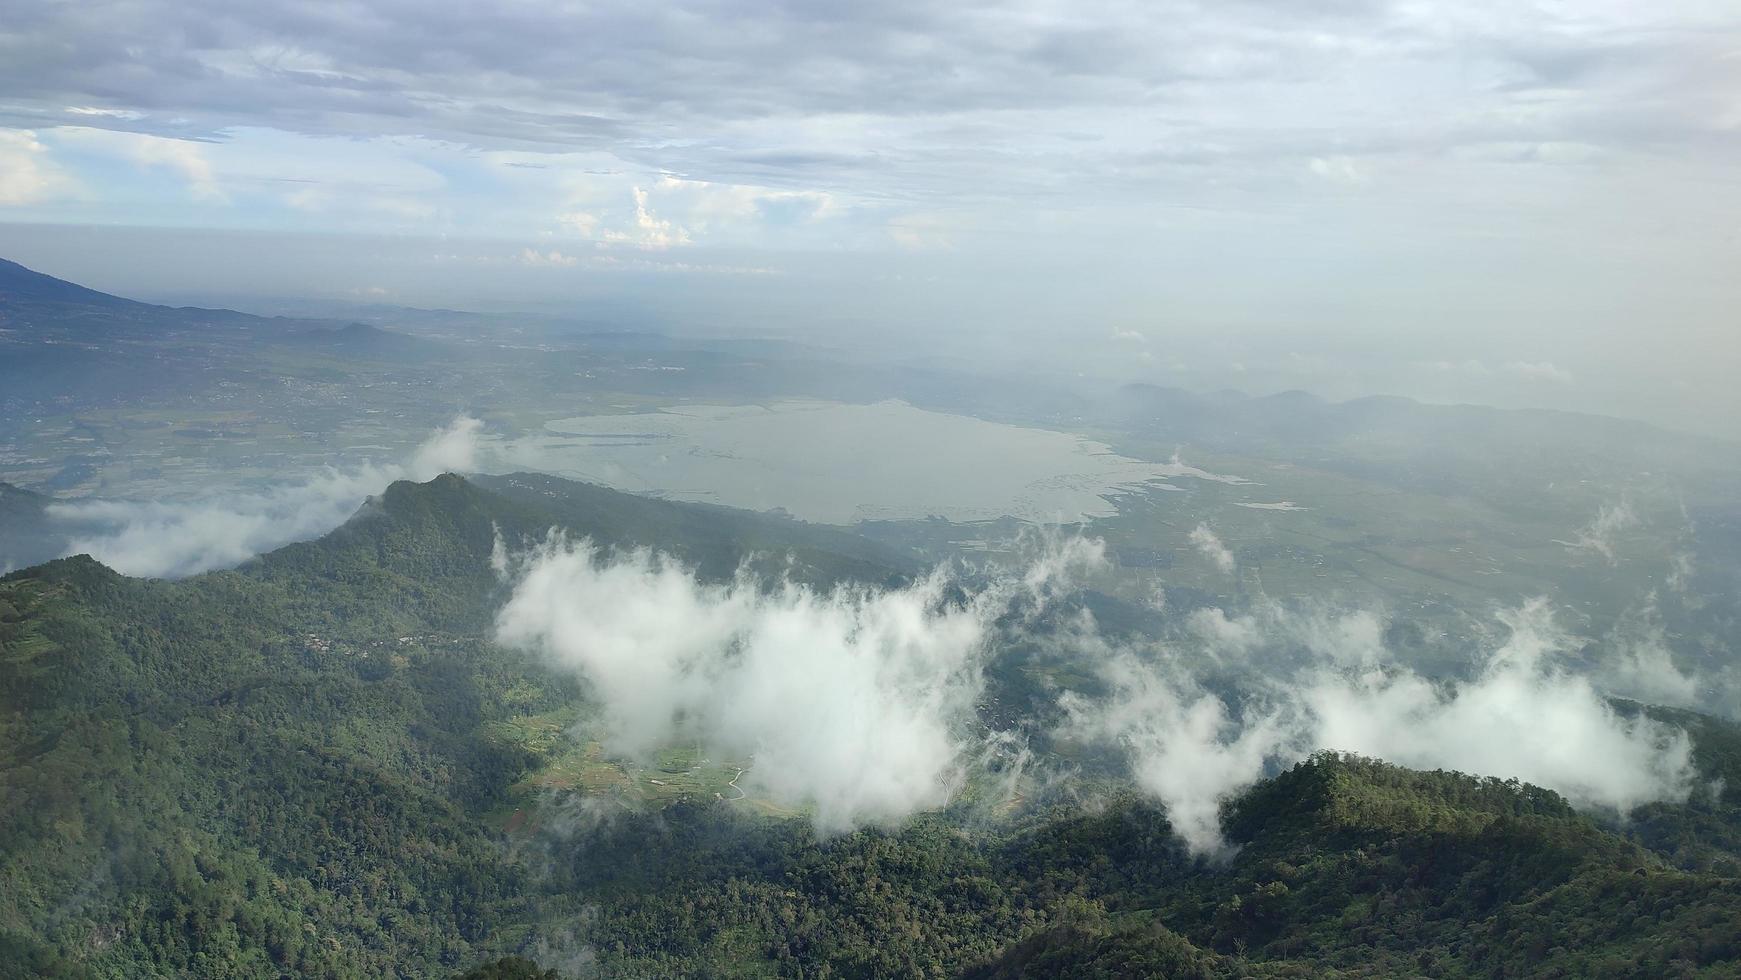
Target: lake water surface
x=839 y=464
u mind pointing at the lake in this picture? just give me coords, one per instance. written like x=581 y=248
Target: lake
x=840 y=464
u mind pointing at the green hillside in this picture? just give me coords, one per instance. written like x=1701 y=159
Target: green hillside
x=318 y=765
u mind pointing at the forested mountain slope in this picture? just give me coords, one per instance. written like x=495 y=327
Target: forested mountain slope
x=297 y=767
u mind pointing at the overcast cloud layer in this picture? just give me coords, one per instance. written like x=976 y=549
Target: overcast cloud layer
x=1492 y=200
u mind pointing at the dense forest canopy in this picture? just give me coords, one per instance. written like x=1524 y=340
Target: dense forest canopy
x=322 y=763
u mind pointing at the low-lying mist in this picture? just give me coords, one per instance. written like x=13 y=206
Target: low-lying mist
x=856 y=702
x=1318 y=681
x=172 y=539
x=865 y=704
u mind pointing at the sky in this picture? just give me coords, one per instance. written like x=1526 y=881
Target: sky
x=1512 y=202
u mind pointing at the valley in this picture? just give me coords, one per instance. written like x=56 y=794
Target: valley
x=1112 y=683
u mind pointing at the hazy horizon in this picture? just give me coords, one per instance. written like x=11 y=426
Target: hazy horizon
x=296 y=273
x=1519 y=205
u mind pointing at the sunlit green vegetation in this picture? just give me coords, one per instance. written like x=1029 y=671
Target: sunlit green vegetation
x=319 y=765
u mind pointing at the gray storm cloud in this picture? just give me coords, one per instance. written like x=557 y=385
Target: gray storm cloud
x=170 y=539
x=1522 y=715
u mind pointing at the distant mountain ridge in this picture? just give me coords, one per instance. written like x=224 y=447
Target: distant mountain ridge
x=63 y=345
x=19 y=284
x=27 y=293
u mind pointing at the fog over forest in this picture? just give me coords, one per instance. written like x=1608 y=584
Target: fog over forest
x=1006 y=489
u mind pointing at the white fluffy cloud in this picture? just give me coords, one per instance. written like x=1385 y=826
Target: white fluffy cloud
x=1522 y=715
x=170 y=539
x=860 y=702
x=1211 y=548
x=648 y=229
x=185 y=158
x=1222 y=635
x=856 y=702
x=27 y=175
x=1184 y=745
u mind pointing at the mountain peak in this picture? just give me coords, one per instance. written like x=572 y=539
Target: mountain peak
x=1348 y=792
x=19 y=284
